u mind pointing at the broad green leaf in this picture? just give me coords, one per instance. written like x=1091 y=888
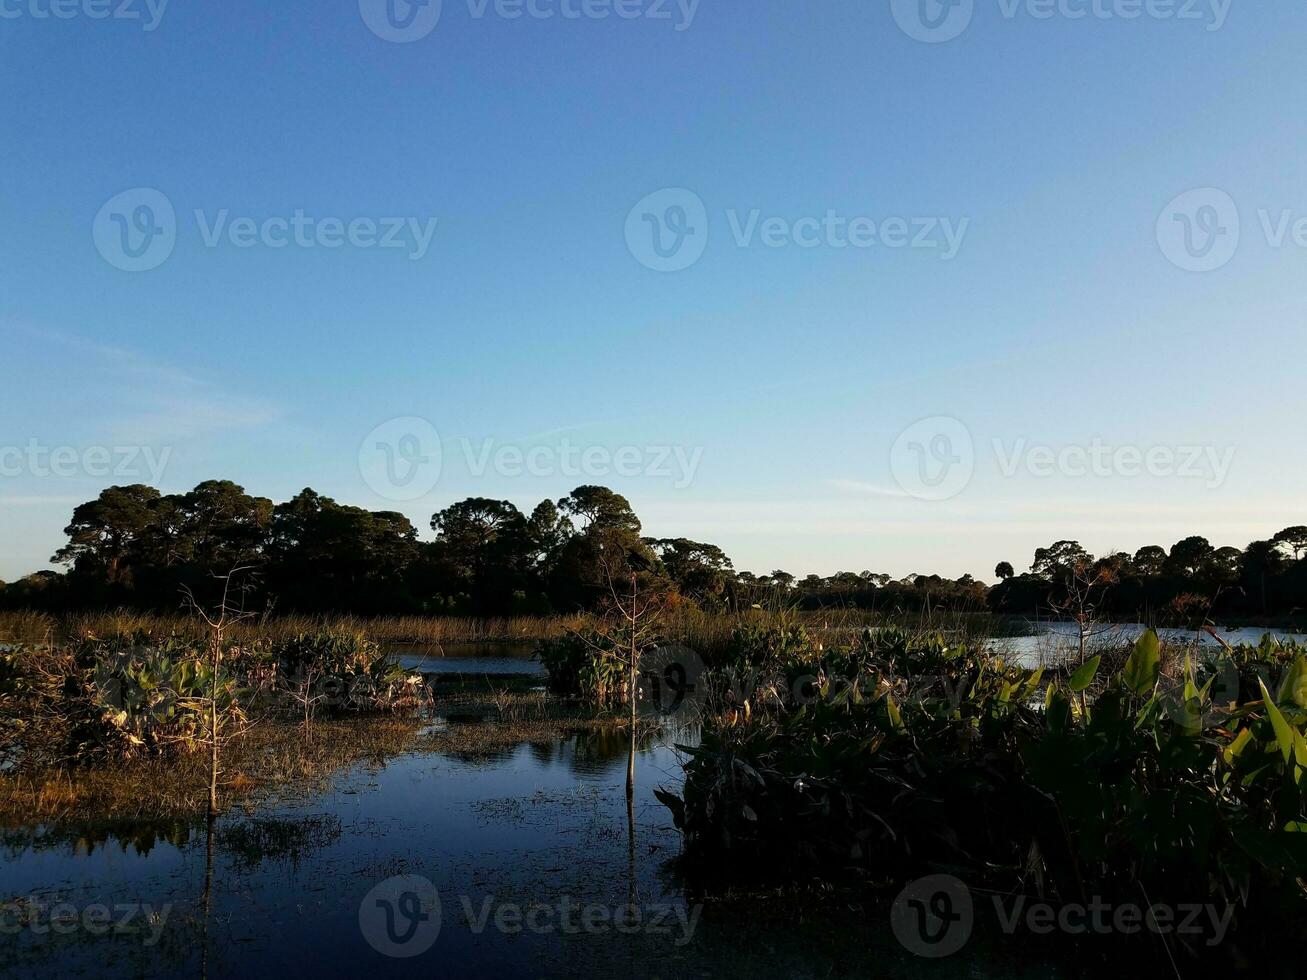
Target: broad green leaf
x=1190 y=689
x=1032 y=683
x=1293 y=689
x=1058 y=713
x=1145 y=664
x=1206 y=692
x=1283 y=733
x=895 y=718
x=1084 y=676
x=1240 y=742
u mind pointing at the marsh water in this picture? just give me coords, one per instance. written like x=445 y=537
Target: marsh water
x=1047 y=642
x=471 y=659
x=528 y=847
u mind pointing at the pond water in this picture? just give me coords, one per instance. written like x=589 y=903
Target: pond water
x=526 y=849
x=469 y=658
x=1050 y=641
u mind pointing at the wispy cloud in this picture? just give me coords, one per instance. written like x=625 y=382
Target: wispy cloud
x=859 y=486
x=147 y=401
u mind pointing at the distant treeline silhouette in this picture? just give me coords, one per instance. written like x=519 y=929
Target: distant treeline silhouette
x=135 y=547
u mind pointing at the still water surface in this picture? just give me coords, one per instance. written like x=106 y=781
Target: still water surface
x=470 y=658
x=1049 y=641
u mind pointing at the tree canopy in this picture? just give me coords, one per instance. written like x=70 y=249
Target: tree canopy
x=133 y=546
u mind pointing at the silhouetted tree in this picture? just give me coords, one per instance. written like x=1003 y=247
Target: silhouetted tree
x=106 y=534
x=1188 y=556
x=1150 y=560
x=701 y=572
x=1294 y=538
x=1060 y=560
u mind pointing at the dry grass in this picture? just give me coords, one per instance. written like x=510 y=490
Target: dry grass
x=29 y=627
x=700 y=630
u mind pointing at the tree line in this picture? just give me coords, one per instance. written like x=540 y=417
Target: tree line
x=134 y=546
x=1192 y=581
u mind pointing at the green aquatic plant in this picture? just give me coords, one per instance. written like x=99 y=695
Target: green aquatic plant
x=944 y=757
x=342 y=672
x=768 y=647
x=151 y=700
x=584 y=664
x=860 y=763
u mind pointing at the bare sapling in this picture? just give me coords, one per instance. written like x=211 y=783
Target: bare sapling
x=218 y=623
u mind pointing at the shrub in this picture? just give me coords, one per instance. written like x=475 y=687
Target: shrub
x=143 y=699
x=767 y=649
x=344 y=672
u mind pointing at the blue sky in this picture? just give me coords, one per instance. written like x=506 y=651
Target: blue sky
x=795 y=379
